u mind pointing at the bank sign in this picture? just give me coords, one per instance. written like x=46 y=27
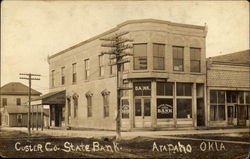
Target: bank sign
x=165 y=109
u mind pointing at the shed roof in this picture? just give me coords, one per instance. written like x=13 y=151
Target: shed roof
x=17 y=88
x=23 y=110
x=241 y=57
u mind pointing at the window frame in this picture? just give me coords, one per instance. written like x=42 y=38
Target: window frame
x=157 y=57
x=178 y=59
x=135 y=57
x=195 y=60
x=74 y=73
x=106 y=103
x=89 y=105
x=18 y=101
x=53 y=78
x=86 y=69
x=101 y=65
x=5 y=102
x=63 y=75
x=112 y=65
x=215 y=116
x=76 y=104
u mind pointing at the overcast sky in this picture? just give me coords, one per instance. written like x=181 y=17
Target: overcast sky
x=32 y=30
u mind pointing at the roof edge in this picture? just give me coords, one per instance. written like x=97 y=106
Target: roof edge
x=121 y=25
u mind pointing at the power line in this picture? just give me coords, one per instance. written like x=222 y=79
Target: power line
x=118 y=48
x=30 y=79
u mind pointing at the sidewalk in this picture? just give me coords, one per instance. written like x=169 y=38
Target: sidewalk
x=125 y=135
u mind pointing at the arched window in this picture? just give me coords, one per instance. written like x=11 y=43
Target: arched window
x=75 y=99
x=89 y=103
x=105 y=94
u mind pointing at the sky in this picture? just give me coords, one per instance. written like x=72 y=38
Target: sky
x=33 y=30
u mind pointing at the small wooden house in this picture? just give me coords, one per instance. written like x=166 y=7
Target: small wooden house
x=16 y=116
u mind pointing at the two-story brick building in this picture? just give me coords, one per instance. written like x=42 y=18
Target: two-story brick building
x=167 y=74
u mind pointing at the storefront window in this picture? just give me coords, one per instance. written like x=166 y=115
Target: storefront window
x=231 y=97
x=248 y=97
x=184 y=108
x=213 y=96
x=184 y=89
x=142 y=89
x=164 y=108
x=164 y=89
x=241 y=97
x=248 y=112
x=217 y=105
x=125 y=108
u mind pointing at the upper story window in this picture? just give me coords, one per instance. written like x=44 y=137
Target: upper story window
x=53 y=78
x=112 y=65
x=195 y=59
x=74 y=73
x=140 y=56
x=4 y=102
x=178 y=58
x=101 y=65
x=18 y=101
x=86 y=69
x=63 y=75
x=159 y=56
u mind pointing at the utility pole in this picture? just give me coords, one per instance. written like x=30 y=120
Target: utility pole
x=118 y=47
x=29 y=78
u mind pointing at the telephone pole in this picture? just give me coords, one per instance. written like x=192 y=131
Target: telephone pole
x=118 y=47
x=29 y=78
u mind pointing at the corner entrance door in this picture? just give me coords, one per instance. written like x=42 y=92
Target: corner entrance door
x=142 y=112
x=230 y=114
x=241 y=118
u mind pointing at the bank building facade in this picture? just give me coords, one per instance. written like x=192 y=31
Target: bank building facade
x=167 y=74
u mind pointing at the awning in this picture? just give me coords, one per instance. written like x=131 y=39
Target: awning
x=57 y=97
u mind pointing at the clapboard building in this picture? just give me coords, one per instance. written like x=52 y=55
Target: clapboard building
x=167 y=75
x=228 y=89
x=14 y=100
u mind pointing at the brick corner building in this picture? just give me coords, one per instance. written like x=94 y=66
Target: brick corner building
x=168 y=74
